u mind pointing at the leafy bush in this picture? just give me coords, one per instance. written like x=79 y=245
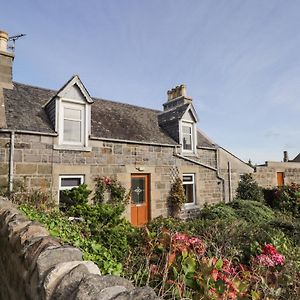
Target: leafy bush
x=107 y=225
x=219 y=211
x=77 y=234
x=252 y=211
x=76 y=196
x=285 y=198
x=37 y=198
x=248 y=189
x=176 y=198
x=112 y=188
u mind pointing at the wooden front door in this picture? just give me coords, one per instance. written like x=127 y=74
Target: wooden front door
x=280 y=178
x=139 y=199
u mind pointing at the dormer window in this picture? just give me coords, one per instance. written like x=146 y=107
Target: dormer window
x=187 y=136
x=73 y=124
x=70 y=113
x=188 y=131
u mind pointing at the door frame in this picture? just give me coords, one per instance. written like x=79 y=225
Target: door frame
x=147 y=176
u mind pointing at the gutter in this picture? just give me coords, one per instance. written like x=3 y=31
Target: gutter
x=11 y=162
x=132 y=142
x=196 y=162
x=28 y=132
x=208 y=167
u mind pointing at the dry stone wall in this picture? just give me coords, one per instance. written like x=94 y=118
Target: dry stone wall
x=34 y=265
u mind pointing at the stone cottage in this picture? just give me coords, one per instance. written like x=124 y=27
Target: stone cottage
x=56 y=140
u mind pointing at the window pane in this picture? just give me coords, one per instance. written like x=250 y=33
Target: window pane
x=187 y=178
x=70 y=182
x=74 y=114
x=72 y=131
x=186 y=130
x=187 y=142
x=189 y=193
x=138 y=190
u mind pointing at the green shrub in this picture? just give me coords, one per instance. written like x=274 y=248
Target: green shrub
x=107 y=225
x=219 y=211
x=39 y=199
x=112 y=188
x=77 y=234
x=248 y=189
x=285 y=198
x=252 y=211
x=176 y=198
x=76 y=196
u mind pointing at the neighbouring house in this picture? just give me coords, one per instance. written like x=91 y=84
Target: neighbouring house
x=56 y=140
x=276 y=173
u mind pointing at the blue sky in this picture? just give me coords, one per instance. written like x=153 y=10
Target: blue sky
x=240 y=60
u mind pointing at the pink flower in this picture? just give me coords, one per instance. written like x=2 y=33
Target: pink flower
x=265 y=260
x=278 y=259
x=214 y=274
x=180 y=237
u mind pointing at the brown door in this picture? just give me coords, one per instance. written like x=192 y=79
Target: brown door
x=139 y=199
x=280 y=178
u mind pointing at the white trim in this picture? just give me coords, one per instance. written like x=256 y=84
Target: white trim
x=72 y=147
x=83 y=134
x=193 y=183
x=81 y=177
x=191 y=125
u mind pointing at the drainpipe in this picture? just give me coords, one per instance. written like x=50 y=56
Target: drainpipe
x=229 y=181
x=11 y=162
x=219 y=175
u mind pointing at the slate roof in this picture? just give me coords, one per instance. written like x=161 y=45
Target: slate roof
x=24 y=106
x=173 y=114
x=204 y=141
x=297 y=158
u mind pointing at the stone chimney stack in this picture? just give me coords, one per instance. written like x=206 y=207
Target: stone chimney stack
x=6 y=62
x=285 y=156
x=176 y=97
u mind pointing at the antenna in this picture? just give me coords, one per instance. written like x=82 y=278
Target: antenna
x=13 y=39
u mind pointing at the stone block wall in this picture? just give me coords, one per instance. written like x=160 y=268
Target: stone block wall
x=38 y=165
x=266 y=176
x=34 y=265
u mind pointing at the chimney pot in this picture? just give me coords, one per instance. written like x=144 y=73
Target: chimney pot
x=3 y=40
x=285 y=156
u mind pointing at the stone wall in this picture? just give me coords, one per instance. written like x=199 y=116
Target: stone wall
x=266 y=175
x=37 y=164
x=34 y=265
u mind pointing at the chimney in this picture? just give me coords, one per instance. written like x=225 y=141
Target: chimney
x=6 y=62
x=177 y=97
x=285 y=156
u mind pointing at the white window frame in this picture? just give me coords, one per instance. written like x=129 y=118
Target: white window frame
x=83 y=134
x=61 y=188
x=193 y=137
x=192 y=182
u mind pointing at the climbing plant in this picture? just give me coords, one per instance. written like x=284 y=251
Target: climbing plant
x=176 y=198
x=109 y=190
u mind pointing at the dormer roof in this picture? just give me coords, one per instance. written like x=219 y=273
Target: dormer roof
x=77 y=85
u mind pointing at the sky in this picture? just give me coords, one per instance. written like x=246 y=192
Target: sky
x=240 y=60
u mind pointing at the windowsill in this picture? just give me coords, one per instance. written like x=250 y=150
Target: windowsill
x=72 y=148
x=190 y=207
x=188 y=153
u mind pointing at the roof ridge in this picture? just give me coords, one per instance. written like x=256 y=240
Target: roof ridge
x=34 y=86
x=94 y=98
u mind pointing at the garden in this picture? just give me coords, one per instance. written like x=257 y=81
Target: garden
x=246 y=249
